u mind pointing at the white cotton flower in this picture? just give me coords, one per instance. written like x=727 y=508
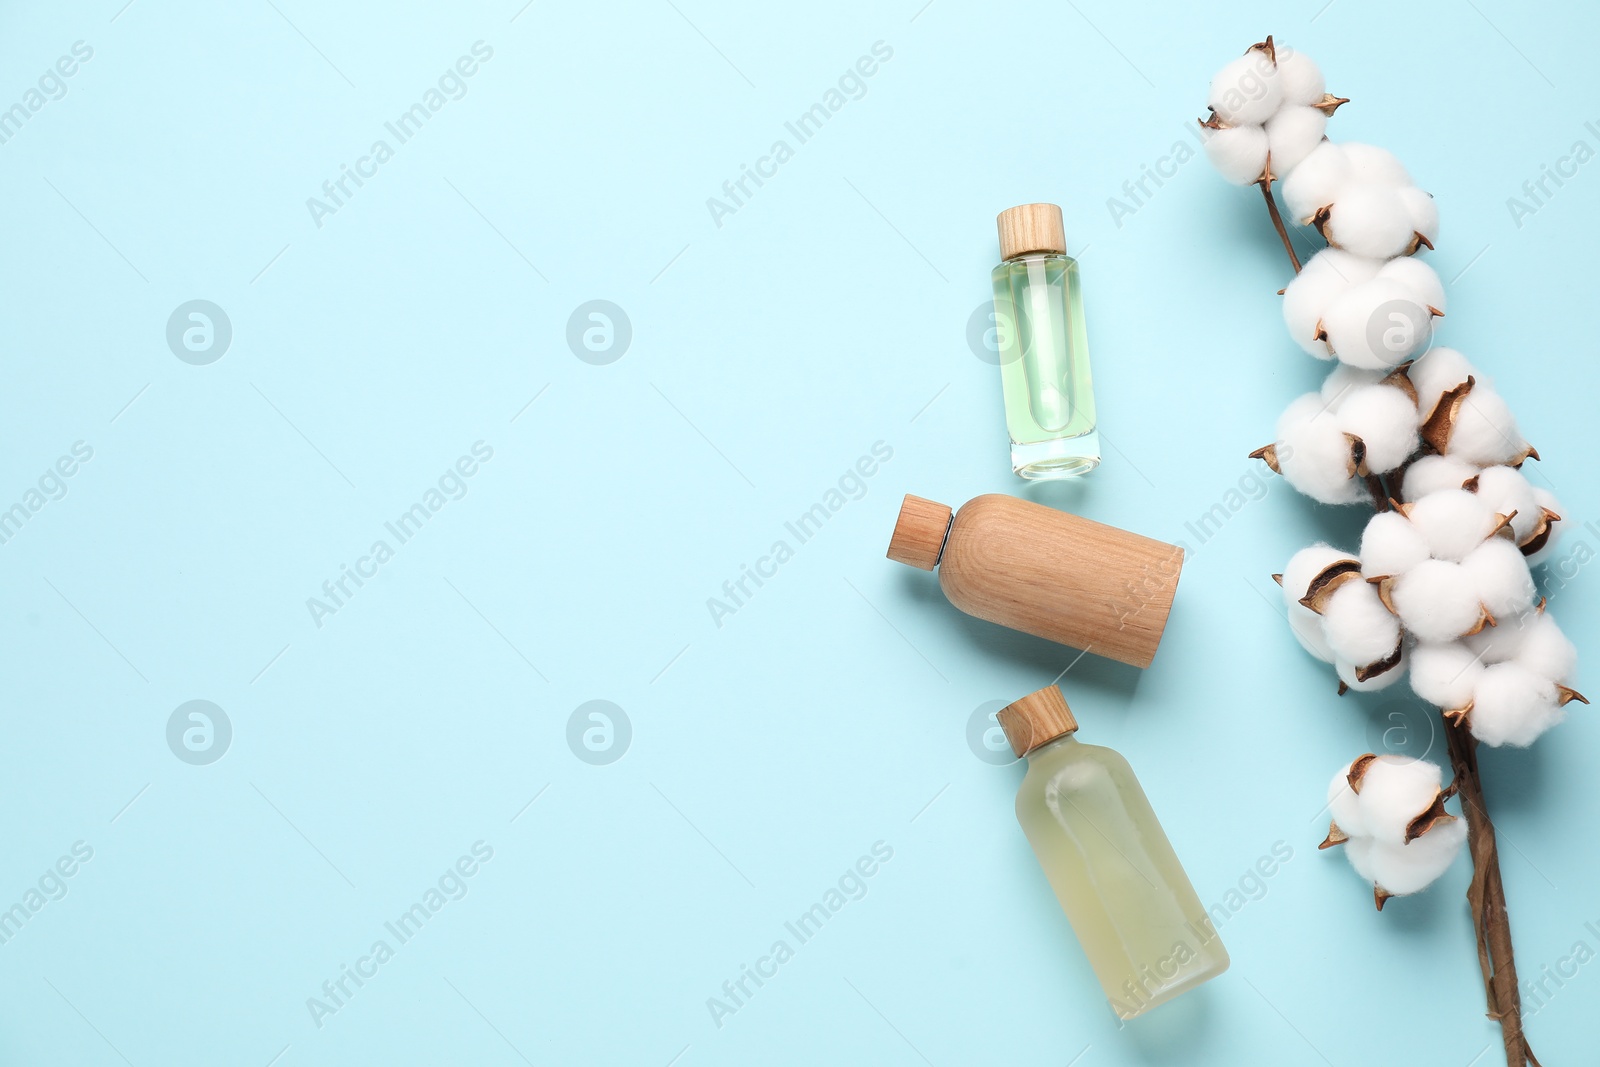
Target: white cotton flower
x=1325 y=277
x=1484 y=431
x=1436 y=601
x=1436 y=373
x=1532 y=639
x=1405 y=869
x=1378 y=324
x=1422 y=211
x=1511 y=705
x=1239 y=153
x=1300 y=78
x=1351 y=674
x=1371 y=165
x=1421 y=279
x=1291 y=135
x=1392 y=823
x=1315 y=183
x=1302 y=567
x=1506 y=490
x=1247 y=91
x=1545 y=650
x=1394 y=791
x=1313 y=453
x=1344 y=805
x=1306 y=625
x=1499 y=574
x=1369 y=220
x=1385 y=420
x=1344 y=379
x=1358 y=628
x=1547 y=501
x=1445 y=673
x=1391 y=545
x=1453 y=521
x=1430 y=474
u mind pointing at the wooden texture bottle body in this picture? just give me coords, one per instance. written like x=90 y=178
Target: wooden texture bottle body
x=1060 y=577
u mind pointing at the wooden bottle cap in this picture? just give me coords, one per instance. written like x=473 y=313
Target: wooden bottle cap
x=1031 y=228
x=1036 y=719
x=919 y=533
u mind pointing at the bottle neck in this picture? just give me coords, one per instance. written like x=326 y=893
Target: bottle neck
x=1054 y=745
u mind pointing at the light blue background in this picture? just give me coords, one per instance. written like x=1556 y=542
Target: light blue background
x=768 y=354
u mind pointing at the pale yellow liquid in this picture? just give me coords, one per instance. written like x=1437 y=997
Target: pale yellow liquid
x=1140 y=923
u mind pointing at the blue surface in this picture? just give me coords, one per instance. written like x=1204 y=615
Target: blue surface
x=378 y=741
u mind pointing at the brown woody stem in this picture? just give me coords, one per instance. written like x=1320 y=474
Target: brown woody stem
x=1277 y=221
x=1486 y=896
x=1379 y=494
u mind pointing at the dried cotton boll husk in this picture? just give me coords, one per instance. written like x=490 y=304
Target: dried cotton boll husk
x=1499 y=574
x=1386 y=421
x=1369 y=220
x=1377 y=325
x=1300 y=78
x=1393 y=792
x=1291 y=135
x=1423 y=212
x=1453 y=521
x=1421 y=279
x=1359 y=676
x=1325 y=277
x=1247 y=91
x=1317 y=181
x=1430 y=474
x=1304 y=566
x=1512 y=705
x=1506 y=490
x=1436 y=601
x=1400 y=870
x=1359 y=629
x=1445 y=673
x=1372 y=165
x=1314 y=455
x=1436 y=373
x=1239 y=153
x=1391 y=545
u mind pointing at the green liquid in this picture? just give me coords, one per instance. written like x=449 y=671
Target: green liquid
x=1044 y=366
x=1141 y=925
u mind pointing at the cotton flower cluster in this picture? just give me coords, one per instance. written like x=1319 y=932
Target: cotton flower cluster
x=1340 y=618
x=1508 y=683
x=1356 y=425
x=1367 y=313
x=1388 y=813
x=1269 y=109
x=1361 y=199
x=1441 y=587
x=1533 y=509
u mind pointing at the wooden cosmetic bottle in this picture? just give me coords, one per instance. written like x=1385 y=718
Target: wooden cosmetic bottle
x=1045 y=572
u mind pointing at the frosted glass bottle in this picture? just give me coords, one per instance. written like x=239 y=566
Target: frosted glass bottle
x=1141 y=925
x=1044 y=348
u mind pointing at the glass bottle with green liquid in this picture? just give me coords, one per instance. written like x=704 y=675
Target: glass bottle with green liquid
x=1044 y=348
x=1142 y=926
